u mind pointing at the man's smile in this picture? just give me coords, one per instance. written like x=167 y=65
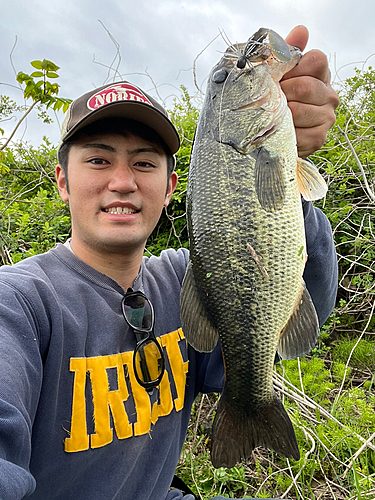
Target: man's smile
x=120 y=210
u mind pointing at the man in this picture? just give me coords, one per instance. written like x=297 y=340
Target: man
x=81 y=415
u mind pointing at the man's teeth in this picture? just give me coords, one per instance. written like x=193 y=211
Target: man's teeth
x=120 y=210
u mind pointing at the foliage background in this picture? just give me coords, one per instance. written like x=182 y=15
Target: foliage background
x=329 y=394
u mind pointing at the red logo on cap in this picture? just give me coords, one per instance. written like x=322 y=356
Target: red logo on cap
x=117 y=92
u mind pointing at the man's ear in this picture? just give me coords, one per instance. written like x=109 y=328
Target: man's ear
x=172 y=183
x=62 y=183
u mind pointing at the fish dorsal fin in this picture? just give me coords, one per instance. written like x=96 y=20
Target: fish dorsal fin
x=269 y=180
x=198 y=330
x=311 y=184
x=301 y=332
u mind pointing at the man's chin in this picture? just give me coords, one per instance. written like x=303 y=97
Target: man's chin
x=120 y=245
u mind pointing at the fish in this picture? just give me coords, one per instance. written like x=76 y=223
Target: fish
x=244 y=280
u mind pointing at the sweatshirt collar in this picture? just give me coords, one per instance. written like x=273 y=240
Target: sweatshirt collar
x=65 y=253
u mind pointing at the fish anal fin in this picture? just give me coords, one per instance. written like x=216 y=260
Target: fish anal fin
x=269 y=180
x=236 y=434
x=300 y=333
x=311 y=184
x=197 y=328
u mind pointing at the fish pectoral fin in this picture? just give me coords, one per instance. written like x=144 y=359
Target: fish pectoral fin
x=311 y=184
x=235 y=434
x=269 y=180
x=197 y=328
x=300 y=333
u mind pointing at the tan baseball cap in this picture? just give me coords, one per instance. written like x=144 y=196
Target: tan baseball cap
x=120 y=100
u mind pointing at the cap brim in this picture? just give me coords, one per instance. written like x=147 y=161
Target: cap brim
x=131 y=110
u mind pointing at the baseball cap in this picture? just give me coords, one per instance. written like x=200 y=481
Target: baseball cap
x=119 y=100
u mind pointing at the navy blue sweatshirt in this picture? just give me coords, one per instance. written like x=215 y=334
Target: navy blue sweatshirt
x=74 y=423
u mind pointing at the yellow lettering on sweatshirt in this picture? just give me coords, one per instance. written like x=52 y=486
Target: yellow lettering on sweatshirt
x=104 y=399
x=179 y=367
x=107 y=401
x=79 y=439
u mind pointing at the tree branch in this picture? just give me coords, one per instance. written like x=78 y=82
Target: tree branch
x=368 y=189
x=18 y=124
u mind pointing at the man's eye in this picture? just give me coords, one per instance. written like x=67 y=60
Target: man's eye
x=145 y=164
x=98 y=161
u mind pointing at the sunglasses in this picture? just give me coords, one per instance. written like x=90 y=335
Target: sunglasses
x=148 y=357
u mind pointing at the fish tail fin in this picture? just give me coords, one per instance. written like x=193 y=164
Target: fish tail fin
x=235 y=434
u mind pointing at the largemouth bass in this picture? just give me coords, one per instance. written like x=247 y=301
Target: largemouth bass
x=247 y=244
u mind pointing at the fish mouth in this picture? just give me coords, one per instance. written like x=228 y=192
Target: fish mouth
x=264 y=134
x=253 y=105
x=248 y=145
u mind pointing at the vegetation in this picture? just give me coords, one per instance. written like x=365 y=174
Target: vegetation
x=330 y=394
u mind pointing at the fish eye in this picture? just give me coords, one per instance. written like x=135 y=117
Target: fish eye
x=220 y=76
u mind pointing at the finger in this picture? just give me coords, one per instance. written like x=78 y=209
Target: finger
x=312 y=124
x=313 y=63
x=298 y=37
x=309 y=90
x=310 y=116
x=310 y=140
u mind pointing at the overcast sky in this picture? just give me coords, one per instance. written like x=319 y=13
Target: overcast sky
x=163 y=37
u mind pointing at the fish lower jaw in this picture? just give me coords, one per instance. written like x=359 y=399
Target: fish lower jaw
x=264 y=134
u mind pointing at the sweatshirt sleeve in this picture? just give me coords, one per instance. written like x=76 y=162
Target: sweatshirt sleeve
x=20 y=383
x=321 y=271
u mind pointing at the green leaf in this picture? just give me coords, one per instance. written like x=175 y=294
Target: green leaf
x=36 y=64
x=50 y=74
x=37 y=74
x=22 y=77
x=58 y=104
x=48 y=101
x=49 y=65
x=30 y=88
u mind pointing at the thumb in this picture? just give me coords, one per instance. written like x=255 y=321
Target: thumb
x=298 y=37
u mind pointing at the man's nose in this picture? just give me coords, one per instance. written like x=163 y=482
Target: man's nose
x=122 y=179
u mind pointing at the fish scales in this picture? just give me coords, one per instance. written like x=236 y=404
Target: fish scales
x=247 y=251
x=236 y=279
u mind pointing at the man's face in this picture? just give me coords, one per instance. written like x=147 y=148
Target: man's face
x=117 y=190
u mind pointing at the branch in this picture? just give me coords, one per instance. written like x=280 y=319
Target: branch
x=369 y=192
x=18 y=124
x=195 y=61
x=357 y=453
x=117 y=55
x=296 y=395
x=350 y=355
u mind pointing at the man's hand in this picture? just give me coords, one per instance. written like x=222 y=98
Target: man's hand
x=310 y=95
